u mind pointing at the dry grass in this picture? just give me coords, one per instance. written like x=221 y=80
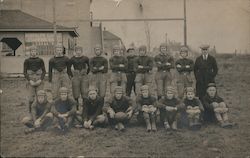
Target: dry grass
x=210 y=141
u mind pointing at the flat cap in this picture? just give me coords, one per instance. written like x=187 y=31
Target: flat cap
x=204 y=46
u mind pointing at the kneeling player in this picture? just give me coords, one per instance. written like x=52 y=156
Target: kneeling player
x=169 y=108
x=40 y=117
x=215 y=106
x=119 y=109
x=64 y=109
x=147 y=110
x=193 y=108
x=92 y=110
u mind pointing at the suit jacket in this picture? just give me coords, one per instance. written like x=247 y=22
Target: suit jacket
x=205 y=70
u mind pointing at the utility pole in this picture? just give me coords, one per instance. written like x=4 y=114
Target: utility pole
x=185 y=24
x=54 y=23
x=1 y=4
x=102 y=40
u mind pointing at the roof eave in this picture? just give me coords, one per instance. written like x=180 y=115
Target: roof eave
x=72 y=31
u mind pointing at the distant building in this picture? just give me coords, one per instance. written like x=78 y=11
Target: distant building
x=106 y=38
x=19 y=31
x=68 y=13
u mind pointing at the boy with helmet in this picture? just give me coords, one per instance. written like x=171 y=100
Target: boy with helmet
x=34 y=72
x=169 y=109
x=64 y=109
x=59 y=71
x=193 y=108
x=119 y=109
x=40 y=117
x=118 y=65
x=143 y=67
x=214 y=107
x=99 y=68
x=184 y=67
x=80 y=79
x=164 y=63
x=92 y=111
x=146 y=104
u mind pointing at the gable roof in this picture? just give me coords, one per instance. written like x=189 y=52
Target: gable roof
x=106 y=34
x=16 y=20
x=110 y=36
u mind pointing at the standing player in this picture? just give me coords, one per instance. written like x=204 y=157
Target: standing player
x=184 y=67
x=34 y=71
x=143 y=67
x=99 y=68
x=163 y=77
x=118 y=64
x=59 y=71
x=80 y=79
x=130 y=72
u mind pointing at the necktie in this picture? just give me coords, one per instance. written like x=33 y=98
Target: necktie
x=204 y=57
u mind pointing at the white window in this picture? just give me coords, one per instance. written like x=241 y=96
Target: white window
x=43 y=41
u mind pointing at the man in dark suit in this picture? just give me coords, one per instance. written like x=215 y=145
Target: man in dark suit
x=205 y=70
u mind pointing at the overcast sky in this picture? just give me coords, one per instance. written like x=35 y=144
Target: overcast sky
x=223 y=23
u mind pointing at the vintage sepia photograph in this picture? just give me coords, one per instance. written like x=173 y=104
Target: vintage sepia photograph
x=125 y=78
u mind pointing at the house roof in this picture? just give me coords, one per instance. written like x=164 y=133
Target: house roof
x=106 y=34
x=110 y=36
x=18 y=21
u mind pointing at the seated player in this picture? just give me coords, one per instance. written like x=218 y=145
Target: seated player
x=169 y=107
x=215 y=107
x=119 y=109
x=92 y=110
x=193 y=108
x=40 y=117
x=146 y=104
x=64 y=109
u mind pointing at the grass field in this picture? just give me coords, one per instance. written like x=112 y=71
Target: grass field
x=211 y=141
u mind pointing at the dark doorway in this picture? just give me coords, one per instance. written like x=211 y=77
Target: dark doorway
x=13 y=43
